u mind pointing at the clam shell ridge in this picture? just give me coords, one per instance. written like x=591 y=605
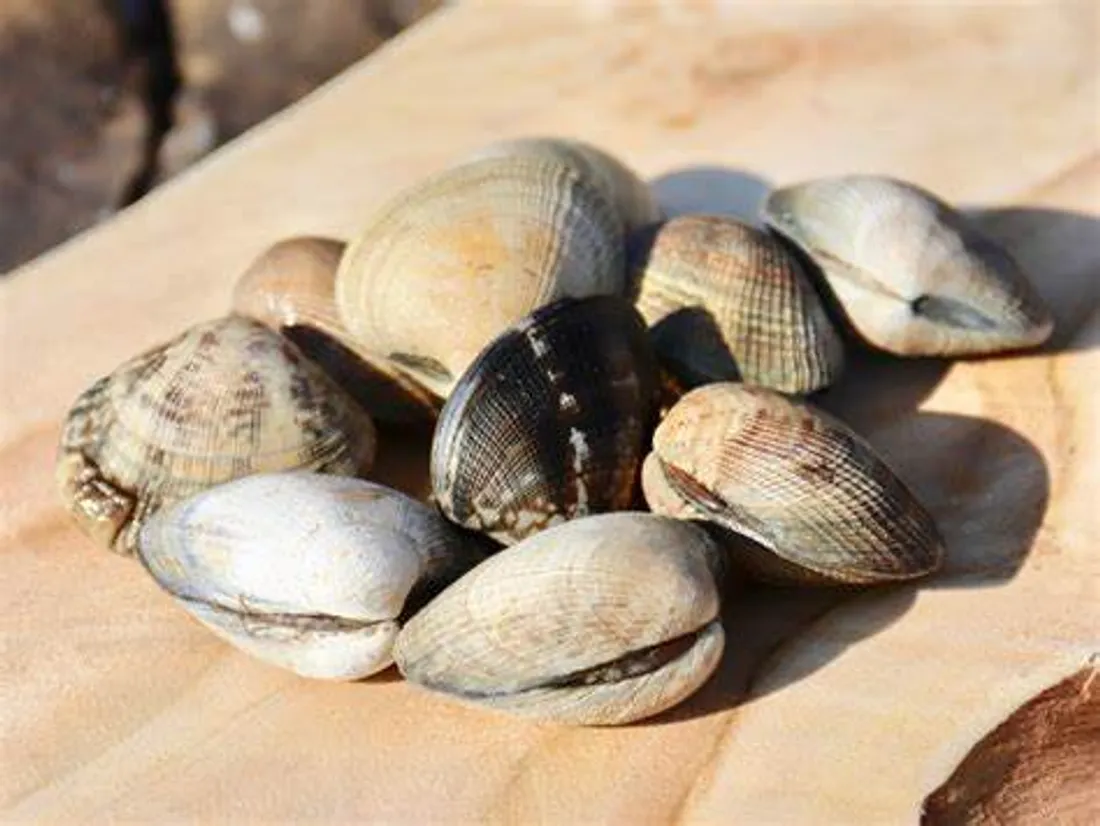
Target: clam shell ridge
x=622 y=186
x=224 y=399
x=794 y=480
x=726 y=301
x=305 y=571
x=913 y=275
x=598 y=621
x=550 y=423
x=290 y=287
x=452 y=262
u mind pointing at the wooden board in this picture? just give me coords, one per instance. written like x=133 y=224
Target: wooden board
x=114 y=704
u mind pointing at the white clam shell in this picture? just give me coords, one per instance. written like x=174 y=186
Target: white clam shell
x=599 y=621
x=305 y=571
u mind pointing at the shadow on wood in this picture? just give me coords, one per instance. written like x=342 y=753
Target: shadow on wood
x=987 y=487
x=713 y=190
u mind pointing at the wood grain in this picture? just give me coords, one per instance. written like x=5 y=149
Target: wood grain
x=828 y=708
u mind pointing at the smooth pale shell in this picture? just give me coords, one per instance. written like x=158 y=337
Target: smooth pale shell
x=550 y=423
x=224 y=399
x=290 y=287
x=449 y=264
x=558 y=627
x=913 y=275
x=726 y=301
x=306 y=571
x=621 y=185
x=793 y=479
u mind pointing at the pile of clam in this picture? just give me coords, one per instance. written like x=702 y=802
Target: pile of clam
x=584 y=361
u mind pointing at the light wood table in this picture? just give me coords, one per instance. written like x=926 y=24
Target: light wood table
x=116 y=705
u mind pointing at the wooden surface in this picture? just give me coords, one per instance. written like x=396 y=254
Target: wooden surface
x=114 y=704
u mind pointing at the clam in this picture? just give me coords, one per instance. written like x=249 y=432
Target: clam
x=726 y=301
x=912 y=275
x=224 y=399
x=309 y=572
x=823 y=506
x=452 y=262
x=550 y=423
x=290 y=288
x=599 y=621
x=620 y=184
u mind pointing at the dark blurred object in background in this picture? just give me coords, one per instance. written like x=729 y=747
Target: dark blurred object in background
x=103 y=99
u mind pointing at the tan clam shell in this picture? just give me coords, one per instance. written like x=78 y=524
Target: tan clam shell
x=598 y=621
x=224 y=399
x=622 y=186
x=793 y=479
x=309 y=572
x=290 y=287
x=450 y=263
x=913 y=275
x=726 y=301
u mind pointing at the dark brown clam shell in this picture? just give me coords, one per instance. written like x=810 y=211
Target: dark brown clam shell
x=550 y=422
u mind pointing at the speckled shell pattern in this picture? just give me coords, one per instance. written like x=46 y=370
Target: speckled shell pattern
x=912 y=274
x=726 y=302
x=622 y=186
x=550 y=423
x=598 y=621
x=795 y=480
x=290 y=287
x=452 y=262
x=307 y=571
x=224 y=399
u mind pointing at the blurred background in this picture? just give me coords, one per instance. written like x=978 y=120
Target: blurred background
x=103 y=100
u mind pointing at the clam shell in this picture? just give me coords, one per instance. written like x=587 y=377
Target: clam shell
x=599 y=621
x=452 y=262
x=793 y=479
x=309 y=572
x=551 y=422
x=290 y=288
x=913 y=276
x=726 y=301
x=224 y=399
x=620 y=185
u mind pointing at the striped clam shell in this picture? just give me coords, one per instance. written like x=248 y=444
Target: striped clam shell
x=599 y=621
x=726 y=302
x=449 y=264
x=794 y=480
x=550 y=422
x=622 y=186
x=913 y=276
x=224 y=399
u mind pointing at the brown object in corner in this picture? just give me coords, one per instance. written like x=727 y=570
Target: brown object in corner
x=1038 y=766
